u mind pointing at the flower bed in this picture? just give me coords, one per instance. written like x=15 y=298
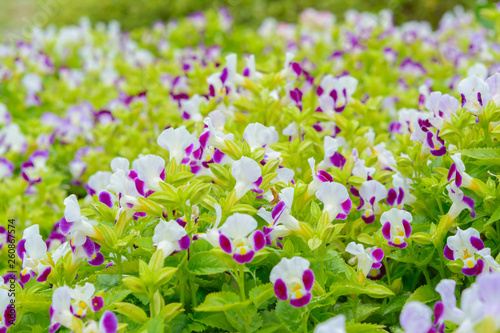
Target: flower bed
x=198 y=176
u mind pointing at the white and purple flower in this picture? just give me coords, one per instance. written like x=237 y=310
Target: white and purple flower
x=368 y=259
x=459 y=202
x=370 y=193
x=107 y=324
x=335 y=199
x=396 y=227
x=179 y=143
x=33 y=252
x=239 y=238
x=150 y=172
x=293 y=280
x=475 y=94
x=248 y=176
x=465 y=245
x=335 y=93
x=170 y=237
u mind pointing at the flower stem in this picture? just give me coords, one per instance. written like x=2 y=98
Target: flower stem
x=306 y=319
x=193 y=291
x=241 y=282
x=182 y=287
x=426 y=274
x=120 y=267
x=387 y=271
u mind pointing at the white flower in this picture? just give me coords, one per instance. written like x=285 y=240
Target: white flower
x=475 y=94
x=150 y=170
x=258 y=135
x=332 y=325
x=170 y=237
x=179 y=143
x=248 y=176
x=335 y=199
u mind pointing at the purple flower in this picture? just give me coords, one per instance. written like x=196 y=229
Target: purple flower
x=475 y=94
x=239 y=237
x=170 y=237
x=396 y=227
x=370 y=193
x=464 y=246
x=369 y=259
x=293 y=280
x=459 y=202
x=335 y=199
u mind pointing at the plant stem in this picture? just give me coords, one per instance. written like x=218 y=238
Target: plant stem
x=152 y=310
x=120 y=267
x=387 y=271
x=355 y=308
x=241 y=282
x=182 y=288
x=426 y=274
x=306 y=319
x=440 y=206
x=193 y=291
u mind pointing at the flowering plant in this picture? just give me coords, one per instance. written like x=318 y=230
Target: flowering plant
x=196 y=176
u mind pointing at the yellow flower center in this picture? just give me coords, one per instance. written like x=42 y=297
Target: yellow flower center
x=243 y=251
x=397 y=241
x=83 y=305
x=467 y=255
x=209 y=158
x=367 y=213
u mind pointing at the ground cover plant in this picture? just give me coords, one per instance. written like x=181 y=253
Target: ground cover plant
x=333 y=175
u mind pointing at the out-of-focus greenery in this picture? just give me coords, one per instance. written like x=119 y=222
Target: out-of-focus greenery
x=138 y=13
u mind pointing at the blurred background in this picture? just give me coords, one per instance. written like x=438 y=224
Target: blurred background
x=16 y=15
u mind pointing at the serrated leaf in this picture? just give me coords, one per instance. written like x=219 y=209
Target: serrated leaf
x=423 y=294
x=289 y=316
x=217 y=320
x=364 y=328
x=221 y=301
x=210 y=262
x=492 y=154
x=155 y=325
x=261 y=293
x=33 y=302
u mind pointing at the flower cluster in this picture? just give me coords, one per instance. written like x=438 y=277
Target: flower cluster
x=200 y=176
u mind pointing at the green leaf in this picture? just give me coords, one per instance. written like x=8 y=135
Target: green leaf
x=170 y=311
x=491 y=155
x=33 y=302
x=114 y=295
x=364 y=328
x=395 y=305
x=155 y=325
x=424 y=294
x=221 y=301
x=144 y=242
x=289 y=316
x=494 y=217
x=372 y=289
x=217 y=320
x=210 y=262
x=133 y=312
x=261 y=293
